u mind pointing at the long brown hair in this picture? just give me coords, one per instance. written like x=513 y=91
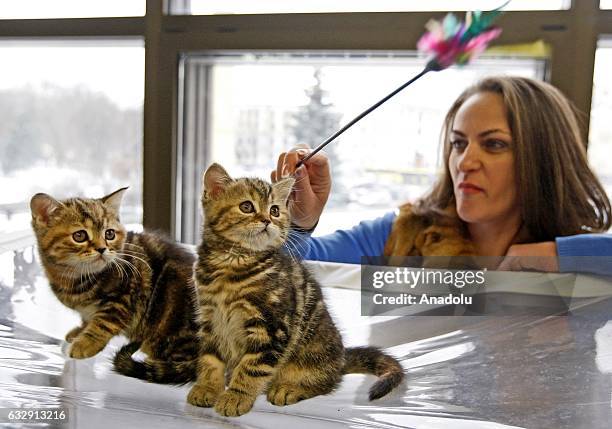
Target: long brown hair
x=559 y=194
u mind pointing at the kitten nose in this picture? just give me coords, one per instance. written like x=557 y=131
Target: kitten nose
x=101 y=250
x=266 y=222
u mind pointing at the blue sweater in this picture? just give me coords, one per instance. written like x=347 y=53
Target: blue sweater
x=587 y=253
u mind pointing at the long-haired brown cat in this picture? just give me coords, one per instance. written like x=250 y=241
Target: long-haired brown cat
x=136 y=284
x=264 y=324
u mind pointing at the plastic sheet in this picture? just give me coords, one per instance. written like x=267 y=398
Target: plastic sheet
x=462 y=372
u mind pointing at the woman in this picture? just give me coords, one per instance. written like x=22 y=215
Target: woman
x=515 y=172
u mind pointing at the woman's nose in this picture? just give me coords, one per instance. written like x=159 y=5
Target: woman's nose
x=470 y=158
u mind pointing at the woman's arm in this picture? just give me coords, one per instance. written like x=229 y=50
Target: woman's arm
x=587 y=253
x=583 y=253
x=368 y=238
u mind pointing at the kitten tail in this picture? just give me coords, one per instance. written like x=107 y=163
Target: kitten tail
x=179 y=372
x=370 y=360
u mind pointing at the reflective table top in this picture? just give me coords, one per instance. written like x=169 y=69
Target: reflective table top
x=462 y=372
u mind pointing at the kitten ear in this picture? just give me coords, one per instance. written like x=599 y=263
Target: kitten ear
x=215 y=180
x=42 y=206
x=113 y=200
x=283 y=187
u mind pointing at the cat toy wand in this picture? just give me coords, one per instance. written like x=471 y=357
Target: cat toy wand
x=448 y=42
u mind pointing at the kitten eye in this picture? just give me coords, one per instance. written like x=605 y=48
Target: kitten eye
x=275 y=211
x=109 y=234
x=247 y=207
x=80 y=236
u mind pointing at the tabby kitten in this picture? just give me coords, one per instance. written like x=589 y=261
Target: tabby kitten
x=136 y=284
x=264 y=324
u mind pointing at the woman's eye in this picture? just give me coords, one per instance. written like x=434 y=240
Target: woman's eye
x=80 y=236
x=275 y=211
x=495 y=144
x=247 y=207
x=109 y=234
x=458 y=144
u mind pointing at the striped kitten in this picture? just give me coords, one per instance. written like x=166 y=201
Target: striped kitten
x=264 y=323
x=138 y=285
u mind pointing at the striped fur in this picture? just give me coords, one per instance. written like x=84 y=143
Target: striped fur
x=136 y=284
x=264 y=324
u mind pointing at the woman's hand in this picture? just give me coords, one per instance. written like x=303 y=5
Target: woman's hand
x=312 y=184
x=531 y=257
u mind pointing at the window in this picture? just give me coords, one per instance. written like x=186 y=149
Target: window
x=32 y=9
x=208 y=7
x=71 y=124
x=243 y=109
x=605 y=4
x=600 y=138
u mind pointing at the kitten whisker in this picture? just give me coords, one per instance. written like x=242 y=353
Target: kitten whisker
x=300 y=248
x=285 y=245
x=135 y=257
x=130 y=266
x=297 y=243
x=117 y=261
x=133 y=269
x=114 y=266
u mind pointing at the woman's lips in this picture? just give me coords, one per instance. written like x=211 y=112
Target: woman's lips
x=469 y=188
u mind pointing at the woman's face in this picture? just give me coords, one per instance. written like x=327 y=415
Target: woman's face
x=482 y=161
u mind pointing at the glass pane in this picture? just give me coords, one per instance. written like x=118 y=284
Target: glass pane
x=71 y=124
x=605 y=4
x=600 y=138
x=245 y=109
x=208 y=7
x=33 y=9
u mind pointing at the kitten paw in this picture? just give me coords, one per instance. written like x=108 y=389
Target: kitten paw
x=83 y=347
x=73 y=333
x=285 y=395
x=202 y=396
x=234 y=404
